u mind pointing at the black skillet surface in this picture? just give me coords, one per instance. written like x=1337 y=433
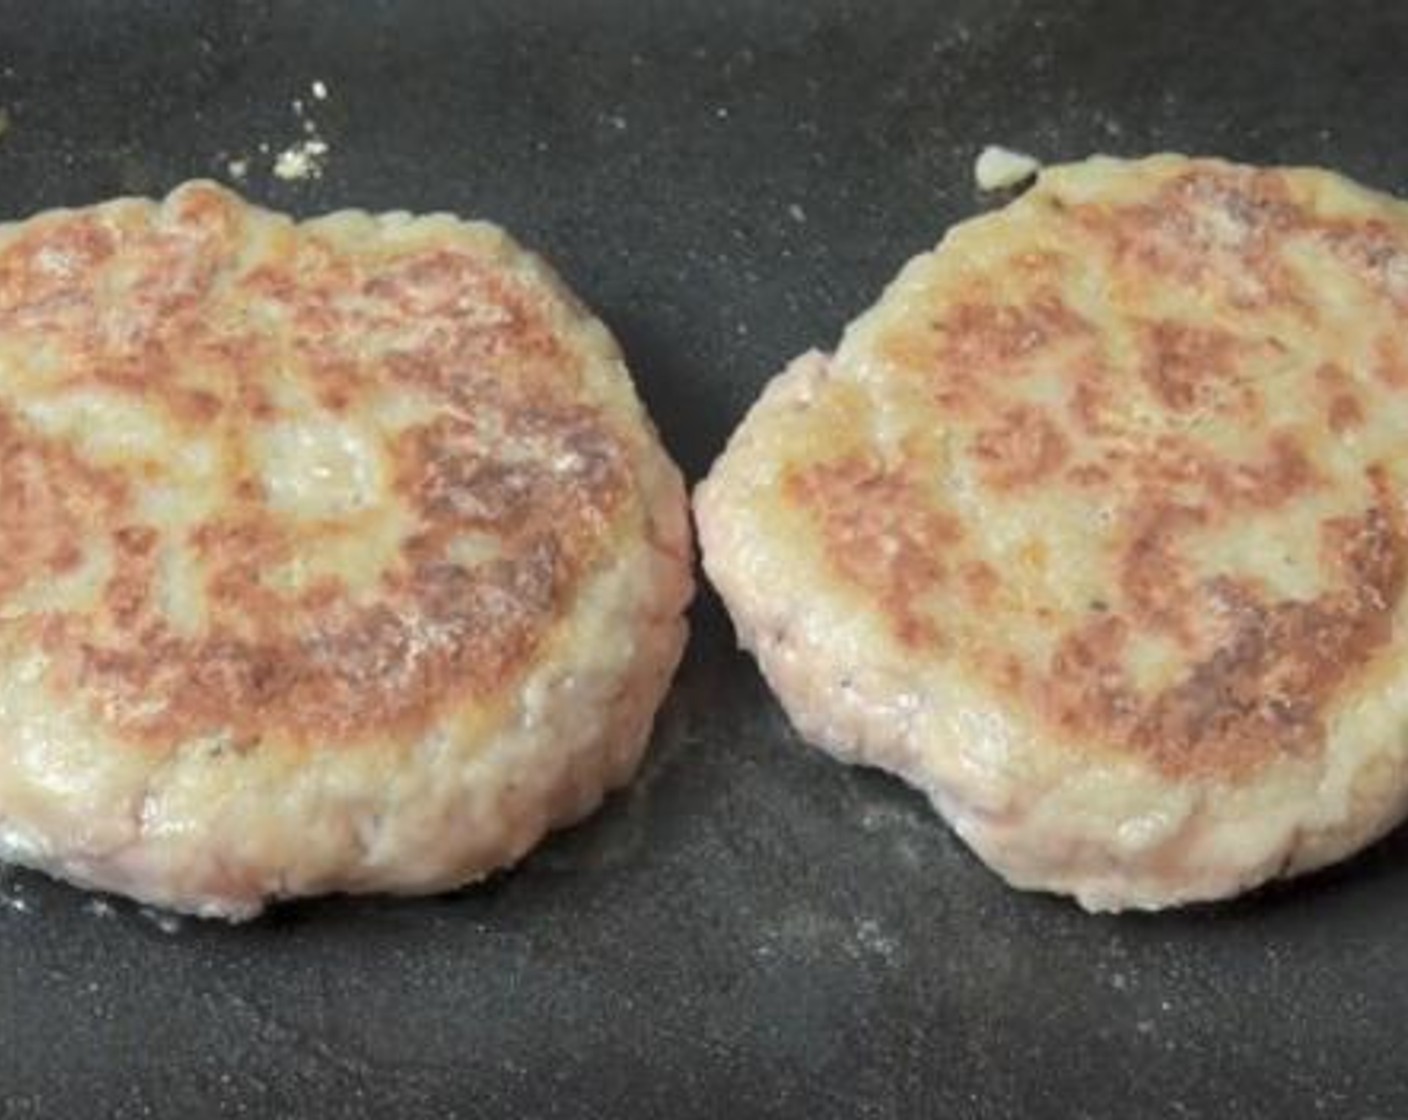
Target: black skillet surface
x=751 y=930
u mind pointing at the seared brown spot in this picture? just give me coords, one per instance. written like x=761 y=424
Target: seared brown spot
x=129 y=589
x=981 y=582
x=1285 y=472
x=881 y=533
x=1263 y=692
x=196 y=407
x=1255 y=201
x=1391 y=367
x=1186 y=365
x=53 y=267
x=515 y=448
x=1214 y=227
x=1089 y=474
x=1022 y=449
x=322 y=668
x=1179 y=464
x=1262 y=689
x=1092 y=401
x=1344 y=411
x=1153 y=576
x=1085 y=686
x=343 y=671
x=1013 y=674
x=49 y=501
x=1168 y=464
x=335 y=398
x=1374 y=249
x=238 y=551
x=990 y=337
x=962 y=350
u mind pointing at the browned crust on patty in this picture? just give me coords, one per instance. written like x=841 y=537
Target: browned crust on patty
x=1070 y=365
x=171 y=308
x=880 y=535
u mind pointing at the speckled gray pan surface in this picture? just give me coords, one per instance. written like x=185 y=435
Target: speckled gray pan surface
x=750 y=930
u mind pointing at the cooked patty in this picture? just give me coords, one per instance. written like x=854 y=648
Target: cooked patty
x=1093 y=529
x=334 y=556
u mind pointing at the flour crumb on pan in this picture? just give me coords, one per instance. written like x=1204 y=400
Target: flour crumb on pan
x=338 y=556
x=1093 y=529
x=1000 y=169
x=303 y=160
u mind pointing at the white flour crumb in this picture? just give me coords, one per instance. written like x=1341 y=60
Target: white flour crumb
x=99 y=908
x=169 y=924
x=796 y=213
x=303 y=160
x=873 y=939
x=238 y=168
x=999 y=168
x=319 y=90
x=10 y=897
x=298 y=105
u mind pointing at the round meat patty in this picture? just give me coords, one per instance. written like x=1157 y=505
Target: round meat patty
x=334 y=556
x=1094 y=529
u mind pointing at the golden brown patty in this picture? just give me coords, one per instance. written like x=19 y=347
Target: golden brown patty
x=332 y=556
x=1095 y=528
